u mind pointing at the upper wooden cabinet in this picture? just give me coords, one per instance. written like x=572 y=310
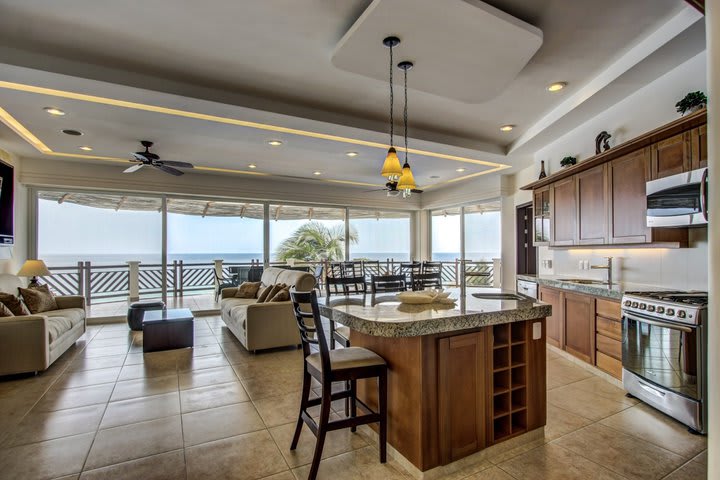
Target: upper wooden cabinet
x=564 y=212
x=671 y=156
x=628 y=206
x=592 y=213
x=698 y=142
x=541 y=216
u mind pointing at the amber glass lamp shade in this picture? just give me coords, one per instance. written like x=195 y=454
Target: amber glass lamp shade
x=407 y=181
x=391 y=168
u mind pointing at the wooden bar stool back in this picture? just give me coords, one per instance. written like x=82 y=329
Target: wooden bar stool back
x=328 y=366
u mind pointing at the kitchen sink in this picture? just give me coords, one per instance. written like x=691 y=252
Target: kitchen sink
x=582 y=281
x=499 y=296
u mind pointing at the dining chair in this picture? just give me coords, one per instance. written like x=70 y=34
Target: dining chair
x=431 y=267
x=421 y=281
x=387 y=283
x=346 y=365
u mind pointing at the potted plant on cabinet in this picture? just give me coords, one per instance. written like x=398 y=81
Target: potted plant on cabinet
x=692 y=102
x=568 y=161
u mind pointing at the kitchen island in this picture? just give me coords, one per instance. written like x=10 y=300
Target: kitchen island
x=462 y=377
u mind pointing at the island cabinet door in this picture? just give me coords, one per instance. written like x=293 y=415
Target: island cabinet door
x=553 y=323
x=580 y=326
x=462 y=380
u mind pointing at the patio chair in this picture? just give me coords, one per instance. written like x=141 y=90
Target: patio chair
x=421 y=281
x=431 y=267
x=224 y=282
x=387 y=283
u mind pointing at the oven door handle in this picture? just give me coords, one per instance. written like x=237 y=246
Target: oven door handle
x=657 y=323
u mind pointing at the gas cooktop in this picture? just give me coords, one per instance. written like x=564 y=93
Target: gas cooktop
x=695 y=298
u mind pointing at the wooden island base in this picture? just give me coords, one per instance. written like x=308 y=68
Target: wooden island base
x=453 y=394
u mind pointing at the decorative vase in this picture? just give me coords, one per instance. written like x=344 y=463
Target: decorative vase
x=542 y=170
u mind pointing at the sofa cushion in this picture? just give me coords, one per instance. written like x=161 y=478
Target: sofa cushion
x=264 y=292
x=282 y=295
x=303 y=281
x=273 y=291
x=5 y=311
x=74 y=315
x=227 y=304
x=38 y=299
x=14 y=304
x=248 y=290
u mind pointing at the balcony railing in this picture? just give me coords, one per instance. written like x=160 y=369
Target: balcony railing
x=134 y=279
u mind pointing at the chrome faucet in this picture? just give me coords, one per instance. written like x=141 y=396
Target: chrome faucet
x=607 y=267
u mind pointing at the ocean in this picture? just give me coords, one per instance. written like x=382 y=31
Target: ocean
x=70 y=260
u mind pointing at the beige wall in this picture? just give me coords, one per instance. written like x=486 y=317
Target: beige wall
x=12 y=258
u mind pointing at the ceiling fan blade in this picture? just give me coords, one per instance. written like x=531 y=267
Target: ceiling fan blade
x=134 y=168
x=170 y=170
x=415 y=190
x=177 y=164
x=375 y=190
x=140 y=157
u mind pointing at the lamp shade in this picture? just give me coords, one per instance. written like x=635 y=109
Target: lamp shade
x=34 y=268
x=407 y=181
x=391 y=168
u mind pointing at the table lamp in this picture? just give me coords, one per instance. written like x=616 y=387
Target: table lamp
x=34 y=269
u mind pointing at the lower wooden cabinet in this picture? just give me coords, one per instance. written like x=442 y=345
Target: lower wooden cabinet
x=461 y=395
x=579 y=312
x=587 y=327
x=555 y=322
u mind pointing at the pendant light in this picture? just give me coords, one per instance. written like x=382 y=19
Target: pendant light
x=406 y=184
x=391 y=168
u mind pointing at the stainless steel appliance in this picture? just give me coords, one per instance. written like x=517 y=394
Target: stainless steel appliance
x=664 y=353
x=679 y=200
x=527 y=288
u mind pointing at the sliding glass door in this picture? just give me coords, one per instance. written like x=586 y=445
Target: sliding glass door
x=380 y=235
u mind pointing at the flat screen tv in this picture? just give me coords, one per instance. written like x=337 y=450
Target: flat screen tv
x=7 y=199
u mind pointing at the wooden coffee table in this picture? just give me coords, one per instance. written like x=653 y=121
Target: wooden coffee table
x=167 y=329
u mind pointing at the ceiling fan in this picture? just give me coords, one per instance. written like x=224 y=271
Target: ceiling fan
x=150 y=159
x=392 y=190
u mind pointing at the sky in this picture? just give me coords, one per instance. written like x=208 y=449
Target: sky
x=69 y=229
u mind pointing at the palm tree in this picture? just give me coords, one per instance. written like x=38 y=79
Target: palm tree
x=314 y=242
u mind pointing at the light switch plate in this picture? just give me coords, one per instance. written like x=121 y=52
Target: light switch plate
x=537 y=330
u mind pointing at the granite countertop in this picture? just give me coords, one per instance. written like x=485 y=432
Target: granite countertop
x=385 y=316
x=614 y=292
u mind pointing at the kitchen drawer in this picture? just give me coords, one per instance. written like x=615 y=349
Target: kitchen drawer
x=609 y=328
x=608 y=309
x=609 y=365
x=608 y=346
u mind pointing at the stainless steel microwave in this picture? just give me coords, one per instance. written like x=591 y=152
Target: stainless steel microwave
x=679 y=200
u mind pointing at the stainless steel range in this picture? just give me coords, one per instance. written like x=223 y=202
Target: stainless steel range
x=664 y=353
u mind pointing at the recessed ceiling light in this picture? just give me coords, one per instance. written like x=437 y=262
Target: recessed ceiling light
x=252 y=165
x=54 y=111
x=460 y=170
x=74 y=133
x=352 y=154
x=507 y=128
x=434 y=176
x=275 y=143
x=86 y=148
x=317 y=173
x=557 y=86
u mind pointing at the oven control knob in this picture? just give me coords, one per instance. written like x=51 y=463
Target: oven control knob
x=628 y=303
x=634 y=304
x=681 y=314
x=643 y=306
x=660 y=309
x=651 y=308
x=670 y=312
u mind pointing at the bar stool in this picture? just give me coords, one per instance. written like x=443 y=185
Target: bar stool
x=328 y=366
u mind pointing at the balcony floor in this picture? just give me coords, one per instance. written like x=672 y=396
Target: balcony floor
x=199 y=304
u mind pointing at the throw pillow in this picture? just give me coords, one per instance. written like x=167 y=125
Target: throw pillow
x=264 y=293
x=14 y=304
x=275 y=289
x=4 y=311
x=247 y=290
x=39 y=299
x=283 y=295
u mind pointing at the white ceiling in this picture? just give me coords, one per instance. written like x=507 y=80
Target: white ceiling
x=270 y=62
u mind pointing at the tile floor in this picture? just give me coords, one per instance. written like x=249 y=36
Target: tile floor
x=106 y=411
